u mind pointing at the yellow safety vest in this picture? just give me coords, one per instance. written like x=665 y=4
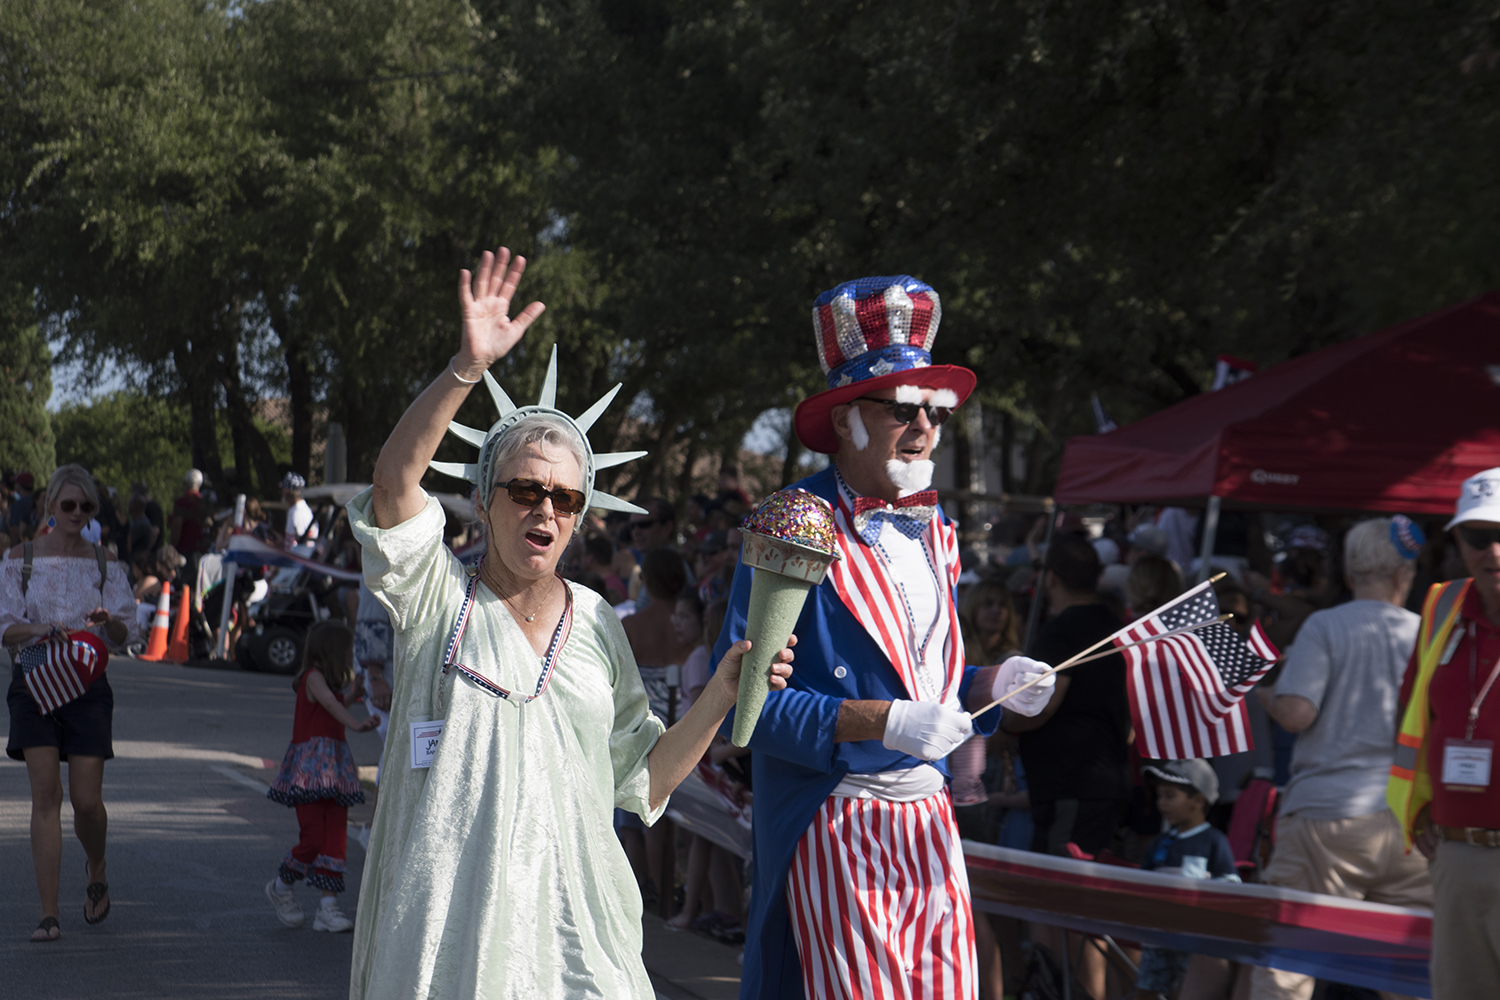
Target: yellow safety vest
x=1410 y=786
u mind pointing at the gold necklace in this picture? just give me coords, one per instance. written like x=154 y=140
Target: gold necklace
x=532 y=616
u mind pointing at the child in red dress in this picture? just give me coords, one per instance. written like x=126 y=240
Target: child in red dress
x=318 y=778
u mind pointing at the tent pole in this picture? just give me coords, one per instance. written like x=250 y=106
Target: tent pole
x=1210 y=529
x=1037 y=592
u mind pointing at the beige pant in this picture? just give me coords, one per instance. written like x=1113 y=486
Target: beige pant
x=1358 y=858
x=1466 y=922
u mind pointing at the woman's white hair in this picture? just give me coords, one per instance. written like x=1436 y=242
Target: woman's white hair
x=70 y=475
x=1369 y=554
x=545 y=430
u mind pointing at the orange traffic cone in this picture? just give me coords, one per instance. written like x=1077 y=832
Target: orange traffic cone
x=156 y=646
x=177 y=651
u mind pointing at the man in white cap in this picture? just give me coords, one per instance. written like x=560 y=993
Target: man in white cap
x=301 y=527
x=1442 y=785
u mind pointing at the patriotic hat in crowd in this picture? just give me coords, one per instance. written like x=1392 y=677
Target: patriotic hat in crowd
x=482 y=472
x=874 y=333
x=59 y=670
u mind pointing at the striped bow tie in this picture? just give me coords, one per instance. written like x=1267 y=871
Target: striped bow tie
x=910 y=515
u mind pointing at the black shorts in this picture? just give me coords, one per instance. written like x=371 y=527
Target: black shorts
x=84 y=726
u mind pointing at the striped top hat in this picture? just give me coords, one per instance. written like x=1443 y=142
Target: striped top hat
x=59 y=670
x=874 y=333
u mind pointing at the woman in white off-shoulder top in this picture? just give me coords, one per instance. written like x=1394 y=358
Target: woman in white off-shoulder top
x=71 y=585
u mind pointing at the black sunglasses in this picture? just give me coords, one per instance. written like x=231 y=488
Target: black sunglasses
x=648 y=523
x=905 y=413
x=1479 y=538
x=87 y=506
x=530 y=493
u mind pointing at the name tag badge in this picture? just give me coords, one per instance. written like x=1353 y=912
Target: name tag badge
x=1466 y=764
x=424 y=741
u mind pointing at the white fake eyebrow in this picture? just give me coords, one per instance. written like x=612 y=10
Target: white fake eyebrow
x=943 y=397
x=908 y=394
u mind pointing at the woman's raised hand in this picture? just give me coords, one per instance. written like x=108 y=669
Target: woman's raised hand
x=489 y=331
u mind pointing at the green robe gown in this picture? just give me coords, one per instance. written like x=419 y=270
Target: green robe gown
x=497 y=873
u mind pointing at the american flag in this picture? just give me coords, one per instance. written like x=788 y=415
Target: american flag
x=1187 y=692
x=60 y=670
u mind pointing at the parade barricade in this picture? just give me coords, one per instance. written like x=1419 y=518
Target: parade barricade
x=1362 y=944
x=1342 y=940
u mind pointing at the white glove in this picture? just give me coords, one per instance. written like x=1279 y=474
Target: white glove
x=925 y=729
x=1018 y=671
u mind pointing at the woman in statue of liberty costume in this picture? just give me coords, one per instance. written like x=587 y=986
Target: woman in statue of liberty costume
x=494 y=871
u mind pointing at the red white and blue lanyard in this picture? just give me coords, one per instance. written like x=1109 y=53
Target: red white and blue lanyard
x=549 y=661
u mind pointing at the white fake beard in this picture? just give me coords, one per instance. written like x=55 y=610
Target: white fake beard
x=857 y=432
x=912 y=476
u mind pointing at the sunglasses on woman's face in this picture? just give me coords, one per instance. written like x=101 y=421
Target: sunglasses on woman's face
x=905 y=413
x=68 y=506
x=530 y=493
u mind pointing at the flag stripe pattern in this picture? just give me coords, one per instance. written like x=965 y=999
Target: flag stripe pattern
x=59 y=671
x=1187 y=692
x=878 y=897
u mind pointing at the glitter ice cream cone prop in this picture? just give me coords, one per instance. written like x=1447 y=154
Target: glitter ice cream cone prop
x=789 y=542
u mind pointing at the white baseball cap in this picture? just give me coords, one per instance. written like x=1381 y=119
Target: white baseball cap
x=1478 y=499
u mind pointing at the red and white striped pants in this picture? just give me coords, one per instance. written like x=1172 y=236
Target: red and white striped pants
x=879 y=902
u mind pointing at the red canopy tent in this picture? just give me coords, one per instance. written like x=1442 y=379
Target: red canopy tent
x=1392 y=421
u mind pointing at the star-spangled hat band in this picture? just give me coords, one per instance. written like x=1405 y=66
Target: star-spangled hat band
x=874 y=333
x=482 y=473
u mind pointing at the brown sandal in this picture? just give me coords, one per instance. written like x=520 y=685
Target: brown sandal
x=45 y=929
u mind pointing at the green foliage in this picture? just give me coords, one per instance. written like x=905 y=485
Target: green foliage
x=25 y=386
x=124 y=438
x=272 y=199
x=129 y=437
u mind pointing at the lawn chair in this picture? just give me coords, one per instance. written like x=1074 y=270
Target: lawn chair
x=1252 y=828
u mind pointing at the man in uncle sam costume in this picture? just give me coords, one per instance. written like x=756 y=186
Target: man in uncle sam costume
x=860 y=886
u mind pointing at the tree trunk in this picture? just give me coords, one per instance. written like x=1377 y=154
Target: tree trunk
x=1007 y=449
x=198 y=383
x=685 y=477
x=254 y=464
x=299 y=371
x=300 y=389
x=791 y=466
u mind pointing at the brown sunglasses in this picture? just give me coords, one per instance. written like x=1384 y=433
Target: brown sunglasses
x=530 y=493
x=68 y=506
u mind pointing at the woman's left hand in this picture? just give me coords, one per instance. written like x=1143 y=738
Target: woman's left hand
x=728 y=672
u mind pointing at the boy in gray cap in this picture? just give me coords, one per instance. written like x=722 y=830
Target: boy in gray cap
x=1188 y=847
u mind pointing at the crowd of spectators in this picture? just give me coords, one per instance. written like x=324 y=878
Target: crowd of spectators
x=667 y=577
x=1338 y=599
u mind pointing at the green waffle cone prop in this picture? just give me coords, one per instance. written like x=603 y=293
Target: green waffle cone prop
x=775 y=603
x=789 y=541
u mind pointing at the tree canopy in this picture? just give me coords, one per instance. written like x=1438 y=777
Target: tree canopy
x=230 y=202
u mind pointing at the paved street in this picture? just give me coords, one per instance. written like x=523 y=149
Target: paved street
x=192 y=842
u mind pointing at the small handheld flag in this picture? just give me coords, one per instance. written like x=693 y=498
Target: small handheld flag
x=60 y=670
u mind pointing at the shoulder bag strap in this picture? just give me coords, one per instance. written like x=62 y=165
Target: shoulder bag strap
x=26 y=568
x=103 y=567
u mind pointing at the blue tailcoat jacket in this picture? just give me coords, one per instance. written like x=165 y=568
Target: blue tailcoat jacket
x=796 y=763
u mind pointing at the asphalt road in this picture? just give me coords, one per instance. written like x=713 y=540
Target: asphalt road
x=192 y=842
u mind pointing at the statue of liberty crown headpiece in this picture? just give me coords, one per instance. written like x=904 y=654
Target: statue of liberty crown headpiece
x=482 y=473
